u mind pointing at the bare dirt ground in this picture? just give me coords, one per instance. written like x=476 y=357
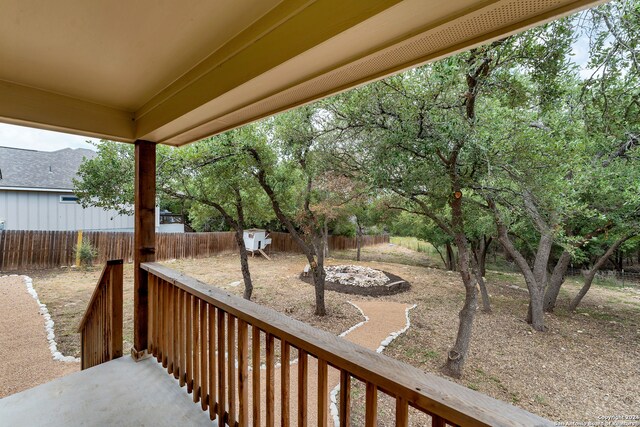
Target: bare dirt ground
x=25 y=359
x=585 y=366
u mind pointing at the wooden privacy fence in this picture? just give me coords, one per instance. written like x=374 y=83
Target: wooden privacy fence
x=21 y=250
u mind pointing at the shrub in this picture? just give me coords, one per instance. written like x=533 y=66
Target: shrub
x=86 y=253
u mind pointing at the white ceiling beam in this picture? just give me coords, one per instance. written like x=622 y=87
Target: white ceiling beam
x=25 y=106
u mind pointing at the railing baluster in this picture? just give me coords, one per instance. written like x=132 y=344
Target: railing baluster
x=345 y=398
x=243 y=373
x=323 y=390
x=82 y=350
x=165 y=323
x=101 y=325
x=285 y=369
x=402 y=412
x=158 y=315
x=159 y=323
x=153 y=297
x=116 y=309
x=204 y=377
x=212 y=361
x=170 y=327
x=221 y=375
x=437 y=421
x=371 y=412
x=189 y=346
x=152 y=310
x=181 y=338
x=196 y=350
x=231 y=367
x=255 y=356
x=303 y=372
x=176 y=332
x=106 y=326
x=92 y=338
x=270 y=381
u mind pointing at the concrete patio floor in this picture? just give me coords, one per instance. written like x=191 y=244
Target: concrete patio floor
x=118 y=393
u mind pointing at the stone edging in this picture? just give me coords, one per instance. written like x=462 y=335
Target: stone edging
x=384 y=344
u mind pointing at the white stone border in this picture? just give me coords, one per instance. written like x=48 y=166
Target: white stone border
x=48 y=322
x=384 y=344
x=295 y=361
x=395 y=335
x=357 y=325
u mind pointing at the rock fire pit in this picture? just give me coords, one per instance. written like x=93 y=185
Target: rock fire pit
x=357 y=280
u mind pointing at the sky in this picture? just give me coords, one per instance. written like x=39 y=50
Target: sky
x=43 y=140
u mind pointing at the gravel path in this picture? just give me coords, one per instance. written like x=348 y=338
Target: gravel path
x=385 y=317
x=25 y=359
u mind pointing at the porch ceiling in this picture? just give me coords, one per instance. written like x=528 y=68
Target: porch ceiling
x=175 y=72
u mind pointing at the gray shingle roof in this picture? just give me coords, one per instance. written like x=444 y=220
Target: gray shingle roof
x=41 y=169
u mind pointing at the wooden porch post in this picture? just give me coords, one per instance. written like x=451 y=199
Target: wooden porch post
x=144 y=239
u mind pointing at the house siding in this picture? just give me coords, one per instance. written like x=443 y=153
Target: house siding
x=39 y=210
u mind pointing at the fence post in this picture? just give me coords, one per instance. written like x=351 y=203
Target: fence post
x=79 y=242
x=2 y=249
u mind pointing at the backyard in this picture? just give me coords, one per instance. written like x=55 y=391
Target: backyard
x=584 y=367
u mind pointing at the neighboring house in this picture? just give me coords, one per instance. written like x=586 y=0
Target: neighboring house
x=36 y=193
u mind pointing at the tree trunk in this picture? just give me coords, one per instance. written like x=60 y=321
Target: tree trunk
x=244 y=264
x=556 y=281
x=479 y=256
x=319 y=276
x=619 y=261
x=358 y=239
x=588 y=280
x=309 y=250
x=457 y=355
x=451 y=258
x=591 y=274
x=325 y=238
x=444 y=261
x=535 y=312
x=486 y=303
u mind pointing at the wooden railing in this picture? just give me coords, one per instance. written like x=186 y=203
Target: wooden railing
x=101 y=326
x=217 y=345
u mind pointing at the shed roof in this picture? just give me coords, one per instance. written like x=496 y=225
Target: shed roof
x=21 y=168
x=175 y=72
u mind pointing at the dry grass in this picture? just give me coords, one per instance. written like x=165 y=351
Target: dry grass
x=585 y=366
x=276 y=284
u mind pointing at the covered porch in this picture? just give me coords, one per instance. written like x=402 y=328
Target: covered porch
x=213 y=356
x=181 y=72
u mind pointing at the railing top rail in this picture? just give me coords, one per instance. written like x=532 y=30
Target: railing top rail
x=428 y=392
x=96 y=290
